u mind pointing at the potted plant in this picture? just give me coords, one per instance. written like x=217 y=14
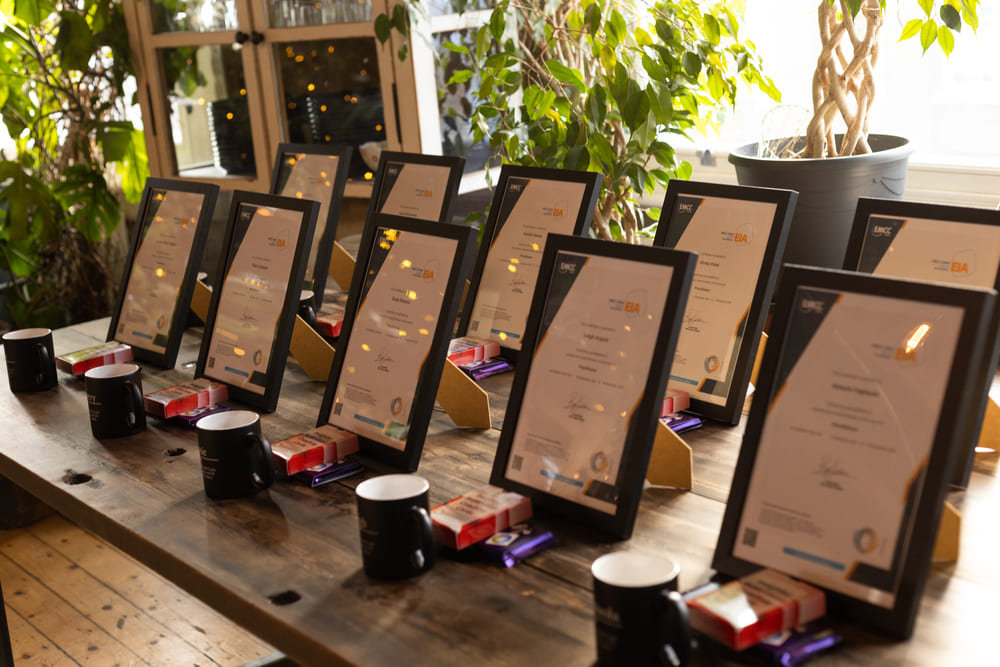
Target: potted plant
x=76 y=158
x=600 y=85
x=837 y=159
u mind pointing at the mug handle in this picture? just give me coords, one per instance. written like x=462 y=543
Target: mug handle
x=308 y=313
x=425 y=536
x=134 y=397
x=45 y=359
x=676 y=628
x=263 y=474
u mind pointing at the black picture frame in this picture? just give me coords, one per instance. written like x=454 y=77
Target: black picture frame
x=382 y=183
x=500 y=210
x=641 y=431
x=147 y=209
x=912 y=556
x=326 y=225
x=865 y=249
x=242 y=214
x=673 y=224
x=429 y=377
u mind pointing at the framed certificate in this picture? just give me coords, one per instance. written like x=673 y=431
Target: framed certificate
x=167 y=245
x=529 y=203
x=949 y=244
x=739 y=233
x=590 y=380
x=317 y=172
x=256 y=296
x=410 y=185
x=397 y=326
x=850 y=442
x=413 y=185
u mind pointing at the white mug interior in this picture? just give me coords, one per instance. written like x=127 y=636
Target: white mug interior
x=27 y=334
x=631 y=569
x=392 y=487
x=111 y=371
x=224 y=421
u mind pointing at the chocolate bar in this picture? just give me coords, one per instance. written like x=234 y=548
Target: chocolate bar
x=81 y=361
x=510 y=547
x=328 y=472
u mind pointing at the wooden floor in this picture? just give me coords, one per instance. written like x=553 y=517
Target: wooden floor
x=71 y=598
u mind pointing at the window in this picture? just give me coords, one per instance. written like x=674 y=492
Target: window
x=948 y=107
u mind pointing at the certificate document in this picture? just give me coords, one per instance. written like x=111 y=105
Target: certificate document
x=311 y=176
x=589 y=371
x=731 y=238
x=392 y=334
x=161 y=258
x=413 y=190
x=253 y=295
x=842 y=454
x=945 y=251
x=531 y=208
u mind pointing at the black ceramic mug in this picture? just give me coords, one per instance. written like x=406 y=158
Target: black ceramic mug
x=396 y=536
x=114 y=398
x=236 y=459
x=640 y=617
x=31 y=362
x=307 y=310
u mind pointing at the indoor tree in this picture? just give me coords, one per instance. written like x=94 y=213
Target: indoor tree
x=76 y=159
x=843 y=83
x=603 y=86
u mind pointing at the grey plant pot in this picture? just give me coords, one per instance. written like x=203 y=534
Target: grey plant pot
x=828 y=189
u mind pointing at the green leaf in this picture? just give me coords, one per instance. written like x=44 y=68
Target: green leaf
x=133 y=169
x=684 y=171
x=664 y=31
x=91 y=207
x=928 y=34
x=615 y=28
x=461 y=76
x=691 y=63
x=710 y=25
x=115 y=139
x=597 y=105
x=456 y=48
x=74 y=42
x=926 y=5
x=566 y=75
x=576 y=158
x=498 y=24
x=593 y=18
x=31 y=11
x=601 y=149
x=911 y=28
x=946 y=40
x=383 y=28
x=646 y=133
x=951 y=18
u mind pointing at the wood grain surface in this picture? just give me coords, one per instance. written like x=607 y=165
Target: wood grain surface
x=145 y=496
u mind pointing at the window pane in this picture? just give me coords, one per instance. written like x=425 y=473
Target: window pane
x=291 y=13
x=455 y=100
x=332 y=95
x=209 y=115
x=195 y=15
x=947 y=107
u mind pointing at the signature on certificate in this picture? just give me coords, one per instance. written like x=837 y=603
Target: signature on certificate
x=247 y=318
x=576 y=405
x=693 y=318
x=518 y=284
x=830 y=470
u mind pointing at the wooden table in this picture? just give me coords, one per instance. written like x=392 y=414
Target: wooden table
x=247 y=557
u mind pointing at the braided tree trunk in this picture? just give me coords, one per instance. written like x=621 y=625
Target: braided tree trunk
x=843 y=84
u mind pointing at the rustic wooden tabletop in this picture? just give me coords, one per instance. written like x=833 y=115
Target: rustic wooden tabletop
x=286 y=564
